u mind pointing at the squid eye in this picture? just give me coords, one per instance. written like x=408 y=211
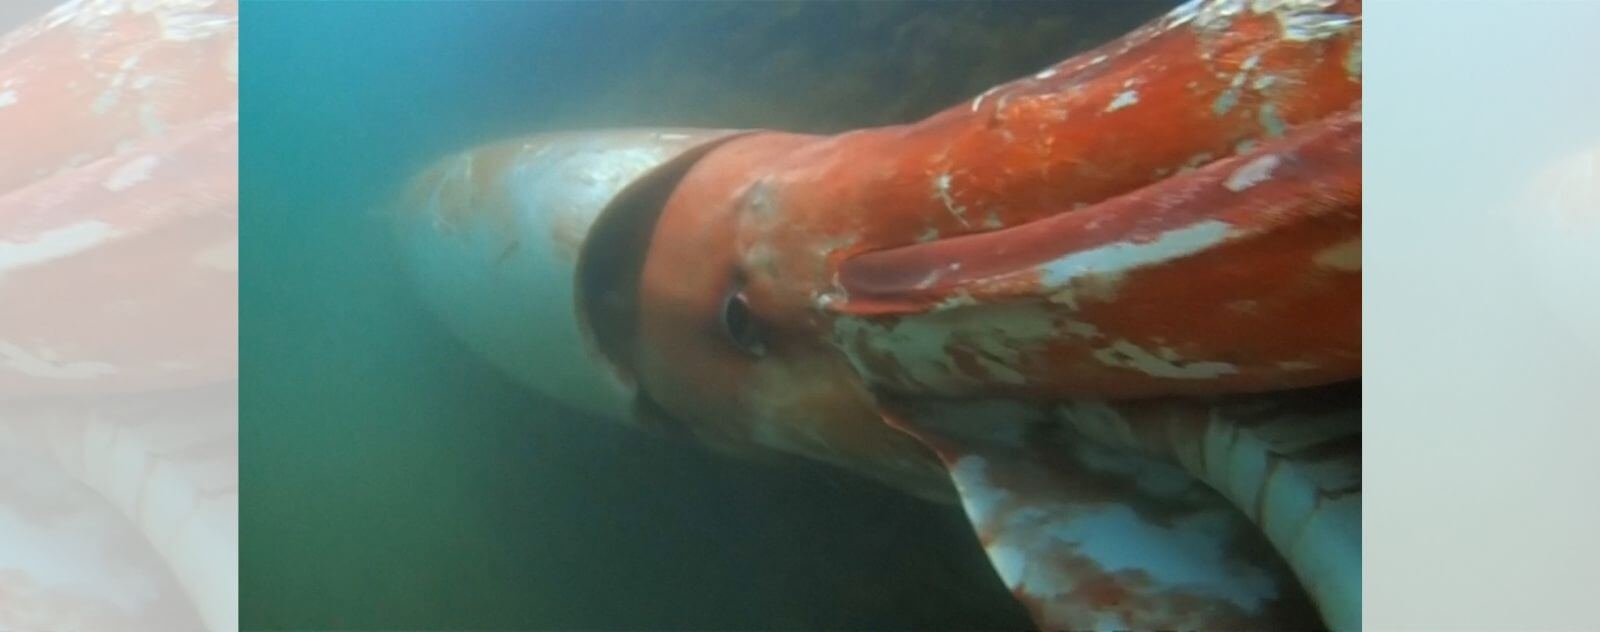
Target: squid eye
x=739 y=325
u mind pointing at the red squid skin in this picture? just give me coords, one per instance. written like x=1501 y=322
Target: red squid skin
x=835 y=241
x=988 y=304
x=1173 y=217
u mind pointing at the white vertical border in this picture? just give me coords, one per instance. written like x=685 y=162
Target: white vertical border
x=1482 y=279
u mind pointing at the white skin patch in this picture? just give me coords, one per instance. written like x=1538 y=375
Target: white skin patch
x=1182 y=14
x=941 y=188
x=977 y=495
x=1003 y=334
x=920 y=347
x=43 y=364
x=961 y=298
x=8 y=98
x=1045 y=74
x=915 y=345
x=1305 y=27
x=934 y=275
x=53 y=244
x=188 y=27
x=1113 y=259
x=133 y=173
x=1215 y=15
x=1124 y=99
x=1191 y=553
x=1252 y=173
x=978 y=100
x=1010 y=563
x=1123 y=353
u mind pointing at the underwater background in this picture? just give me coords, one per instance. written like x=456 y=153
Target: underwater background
x=390 y=479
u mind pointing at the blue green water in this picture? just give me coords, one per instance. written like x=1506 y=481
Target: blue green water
x=392 y=480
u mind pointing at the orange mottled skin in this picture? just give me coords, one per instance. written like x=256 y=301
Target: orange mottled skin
x=956 y=258
x=1046 y=166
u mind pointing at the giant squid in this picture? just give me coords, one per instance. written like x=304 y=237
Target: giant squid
x=1110 y=309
